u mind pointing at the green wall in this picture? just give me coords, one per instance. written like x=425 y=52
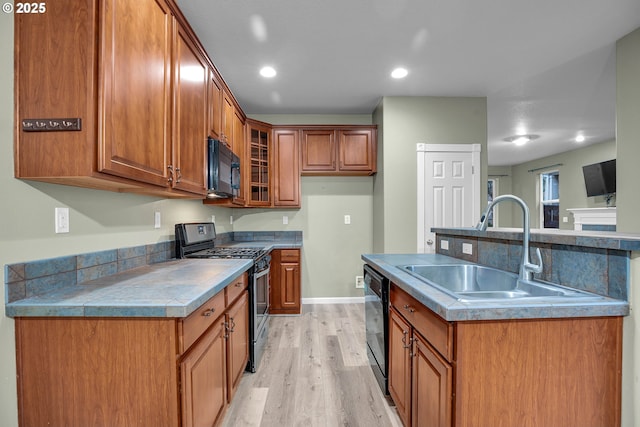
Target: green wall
x=628 y=179
x=572 y=191
x=405 y=122
x=331 y=249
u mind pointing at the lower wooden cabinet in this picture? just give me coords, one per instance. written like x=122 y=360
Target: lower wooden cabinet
x=237 y=324
x=204 y=379
x=116 y=371
x=285 y=282
x=538 y=372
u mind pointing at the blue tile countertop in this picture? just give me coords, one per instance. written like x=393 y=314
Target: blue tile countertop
x=169 y=289
x=451 y=309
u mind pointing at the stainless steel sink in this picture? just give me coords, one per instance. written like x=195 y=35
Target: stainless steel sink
x=477 y=282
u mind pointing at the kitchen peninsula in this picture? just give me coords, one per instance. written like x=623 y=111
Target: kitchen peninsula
x=551 y=361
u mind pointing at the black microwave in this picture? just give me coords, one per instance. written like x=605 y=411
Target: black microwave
x=223 y=175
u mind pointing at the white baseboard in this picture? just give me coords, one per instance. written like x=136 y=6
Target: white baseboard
x=334 y=300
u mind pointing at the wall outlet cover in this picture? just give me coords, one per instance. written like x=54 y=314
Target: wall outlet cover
x=359 y=282
x=467 y=248
x=444 y=244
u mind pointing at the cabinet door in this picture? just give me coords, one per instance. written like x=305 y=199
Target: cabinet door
x=400 y=365
x=290 y=287
x=318 y=150
x=204 y=379
x=135 y=84
x=215 y=104
x=286 y=170
x=432 y=385
x=357 y=150
x=238 y=342
x=190 y=117
x=259 y=160
x=227 y=119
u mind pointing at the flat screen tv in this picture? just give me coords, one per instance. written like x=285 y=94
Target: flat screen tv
x=600 y=178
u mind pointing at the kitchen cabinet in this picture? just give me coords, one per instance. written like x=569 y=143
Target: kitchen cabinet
x=136 y=82
x=420 y=380
x=136 y=371
x=215 y=90
x=204 y=379
x=188 y=171
x=259 y=160
x=237 y=324
x=507 y=370
x=338 y=150
x=286 y=169
x=285 y=282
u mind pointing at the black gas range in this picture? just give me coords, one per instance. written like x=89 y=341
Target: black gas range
x=197 y=240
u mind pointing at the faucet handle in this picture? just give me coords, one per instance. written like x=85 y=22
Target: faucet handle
x=537 y=267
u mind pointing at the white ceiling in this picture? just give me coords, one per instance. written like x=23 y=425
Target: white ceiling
x=547 y=67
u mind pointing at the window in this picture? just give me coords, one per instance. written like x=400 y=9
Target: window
x=550 y=199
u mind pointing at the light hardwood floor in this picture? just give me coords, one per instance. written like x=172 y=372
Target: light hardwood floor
x=314 y=372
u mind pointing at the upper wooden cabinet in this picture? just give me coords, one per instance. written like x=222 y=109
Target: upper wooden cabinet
x=135 y=84
x=338 y=150
x=286 y=168
x=137 y=81
x=259 y=161
x=190 y=117
x=215 y=104
x=318 y=150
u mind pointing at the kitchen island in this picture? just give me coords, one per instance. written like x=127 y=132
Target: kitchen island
x=518 y=362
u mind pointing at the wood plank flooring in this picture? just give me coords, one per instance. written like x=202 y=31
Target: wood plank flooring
x=314 y=372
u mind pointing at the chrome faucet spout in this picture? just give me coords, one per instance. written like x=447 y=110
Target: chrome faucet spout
x=526 y=267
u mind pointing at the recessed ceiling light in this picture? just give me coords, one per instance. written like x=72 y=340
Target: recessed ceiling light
x=521 y=139
x=268 y=72
x=399 y=73
x=580 y=138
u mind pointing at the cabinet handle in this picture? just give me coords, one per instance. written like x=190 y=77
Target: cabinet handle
x=233 y=324
x=208 y=312
x=239 y=284
x=170 y=168
x=179 y=175
x=404 y=340
x=409 y=308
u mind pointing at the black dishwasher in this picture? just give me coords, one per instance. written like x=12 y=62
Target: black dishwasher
x=376 y=308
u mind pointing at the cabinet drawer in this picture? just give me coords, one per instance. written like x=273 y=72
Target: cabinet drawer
x=290 y=255
x=197 y=322
x=234 y=289
x=434 y=329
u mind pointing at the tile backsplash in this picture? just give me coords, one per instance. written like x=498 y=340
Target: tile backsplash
x=27 y=279
x=23 y=280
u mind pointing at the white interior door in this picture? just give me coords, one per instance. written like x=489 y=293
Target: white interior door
x=448 y=189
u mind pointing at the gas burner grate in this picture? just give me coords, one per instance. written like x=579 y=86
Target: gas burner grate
x=228 y=252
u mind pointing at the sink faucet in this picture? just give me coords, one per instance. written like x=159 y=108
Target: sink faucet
x=526 y=268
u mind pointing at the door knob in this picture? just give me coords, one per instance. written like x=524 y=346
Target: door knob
x=429 y=242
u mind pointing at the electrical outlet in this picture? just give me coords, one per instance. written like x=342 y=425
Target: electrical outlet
x=347 y=219
x=359 y=282
x=157 y=220
x=467 y=248
x=213 y=218
x=285 y=220
x=231 y=219
x=444 y=245
x=62 y=220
